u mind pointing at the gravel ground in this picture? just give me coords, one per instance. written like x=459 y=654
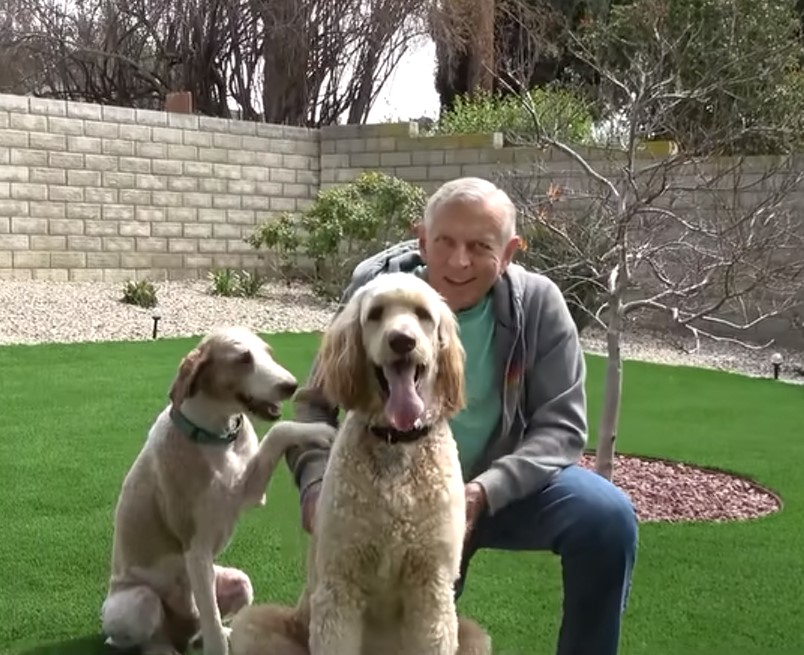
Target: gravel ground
x=652 y=346
x=38 y=311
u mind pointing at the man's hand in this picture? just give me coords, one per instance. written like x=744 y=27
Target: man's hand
x=308 y=504
x=476 y=504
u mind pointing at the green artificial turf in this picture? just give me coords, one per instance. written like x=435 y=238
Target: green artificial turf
x=74 y=417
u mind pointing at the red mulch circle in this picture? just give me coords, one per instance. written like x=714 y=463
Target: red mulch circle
x=673 y=491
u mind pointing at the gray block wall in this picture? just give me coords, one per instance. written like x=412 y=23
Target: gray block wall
x=93 y=192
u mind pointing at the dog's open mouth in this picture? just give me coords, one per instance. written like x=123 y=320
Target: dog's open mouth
x=398 y=381
x=397 y=367
x=264 y=409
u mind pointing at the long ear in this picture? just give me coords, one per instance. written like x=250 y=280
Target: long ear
x=450 y=384
x=185 y=384
x=342 y=361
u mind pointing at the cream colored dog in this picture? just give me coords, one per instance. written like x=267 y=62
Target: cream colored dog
x=389 y=526
x=201 y=465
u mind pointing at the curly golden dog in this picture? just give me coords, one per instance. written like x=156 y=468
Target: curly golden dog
x=389 y=527
x=200 y=466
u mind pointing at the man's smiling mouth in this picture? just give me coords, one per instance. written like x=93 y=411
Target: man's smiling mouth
x=457 y=283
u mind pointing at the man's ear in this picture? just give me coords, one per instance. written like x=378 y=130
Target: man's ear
x=509 y=251
x=420 y=233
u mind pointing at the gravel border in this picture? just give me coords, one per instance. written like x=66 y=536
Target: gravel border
x=650 y=345
x=66 y=312
x=35 y=311
x=676 y=492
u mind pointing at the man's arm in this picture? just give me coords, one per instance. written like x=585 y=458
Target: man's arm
x=307 y=463
x=555 y=407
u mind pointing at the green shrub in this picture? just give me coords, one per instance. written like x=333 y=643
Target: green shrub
x=141 y=293
x=243 y=284
x=561 y=114
x=346 y=224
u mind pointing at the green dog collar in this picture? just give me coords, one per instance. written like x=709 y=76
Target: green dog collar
x=203 y=436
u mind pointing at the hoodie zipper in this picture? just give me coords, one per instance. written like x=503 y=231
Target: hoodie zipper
x=510 y=405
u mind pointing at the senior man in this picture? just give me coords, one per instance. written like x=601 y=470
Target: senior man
x=524 y=426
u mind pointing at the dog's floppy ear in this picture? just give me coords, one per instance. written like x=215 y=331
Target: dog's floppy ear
x=185 y=384
x=449 y=383
x=342 y=361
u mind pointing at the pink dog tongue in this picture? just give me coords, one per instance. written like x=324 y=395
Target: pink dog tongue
x=404 y=407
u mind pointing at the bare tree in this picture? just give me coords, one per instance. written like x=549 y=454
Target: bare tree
x=298 y=62
x=712 y=244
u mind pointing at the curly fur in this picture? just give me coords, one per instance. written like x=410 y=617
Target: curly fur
x=388 y=532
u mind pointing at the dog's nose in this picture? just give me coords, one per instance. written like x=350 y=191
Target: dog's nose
x=287 y=389
x=401 y=343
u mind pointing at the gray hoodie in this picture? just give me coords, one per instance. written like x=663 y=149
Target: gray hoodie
x=542 y=373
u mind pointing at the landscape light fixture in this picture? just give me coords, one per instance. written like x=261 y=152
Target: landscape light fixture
x=776 y=362
x=156 y=315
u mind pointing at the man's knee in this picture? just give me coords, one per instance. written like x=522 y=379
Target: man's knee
x=605 y=522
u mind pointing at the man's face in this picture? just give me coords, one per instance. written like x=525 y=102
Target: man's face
x=466 y=250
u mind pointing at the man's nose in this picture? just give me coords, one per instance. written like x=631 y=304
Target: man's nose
x=459 y=257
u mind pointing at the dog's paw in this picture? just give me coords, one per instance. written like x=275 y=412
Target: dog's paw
x=322 y=440
x=323 y=436
x=197 y=643
x=292 y=434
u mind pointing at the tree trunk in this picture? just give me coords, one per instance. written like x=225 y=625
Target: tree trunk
x=465 y=49
x=612 y=393
x=481 y=67
x=285 y=96
x=359 y=110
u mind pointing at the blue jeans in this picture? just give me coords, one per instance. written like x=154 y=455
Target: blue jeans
x=591 y=525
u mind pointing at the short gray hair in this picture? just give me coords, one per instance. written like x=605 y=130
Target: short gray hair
x=472 y=189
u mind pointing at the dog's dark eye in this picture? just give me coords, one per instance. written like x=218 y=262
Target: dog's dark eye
x=422 y=314
x=244 y=357
x=375 y=313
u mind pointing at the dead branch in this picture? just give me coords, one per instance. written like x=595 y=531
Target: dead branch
x=310 y=62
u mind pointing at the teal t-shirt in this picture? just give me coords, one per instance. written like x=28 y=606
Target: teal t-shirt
x=474 y=425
